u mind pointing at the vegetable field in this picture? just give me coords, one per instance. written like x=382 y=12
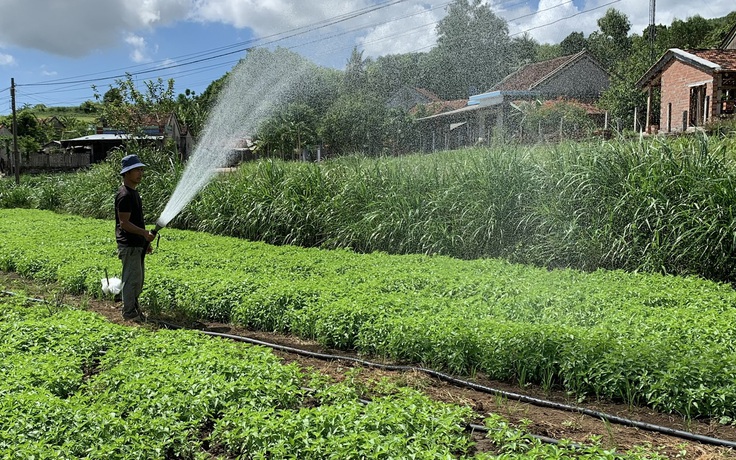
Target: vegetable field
x=77 y=386
x=661 y=341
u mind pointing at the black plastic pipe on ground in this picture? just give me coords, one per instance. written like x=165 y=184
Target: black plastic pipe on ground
x=466 y=384
x=484 y=389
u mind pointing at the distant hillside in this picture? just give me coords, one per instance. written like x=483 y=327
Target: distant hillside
x=86 y=113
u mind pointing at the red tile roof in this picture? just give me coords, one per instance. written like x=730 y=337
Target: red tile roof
x=434 y=108
x=589 y=108
x=724 y=58
x=428 y=94
x=529 y=76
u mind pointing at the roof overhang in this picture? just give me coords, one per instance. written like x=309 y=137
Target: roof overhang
x=653 y=75
x=107 y=138
x=729 y=39
x=486 y=100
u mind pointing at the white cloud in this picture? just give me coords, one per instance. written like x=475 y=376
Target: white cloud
x=139 y=52
x=167 y=63
x=7 y=60
x=267 y=17
x=413 y=31
x=46 y=72
x=78 y=28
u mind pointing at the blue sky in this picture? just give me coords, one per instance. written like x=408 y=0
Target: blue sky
x=56 y=50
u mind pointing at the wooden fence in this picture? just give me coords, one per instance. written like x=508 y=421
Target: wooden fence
x=55 y=161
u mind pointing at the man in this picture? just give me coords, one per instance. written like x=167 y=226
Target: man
x=132 y=237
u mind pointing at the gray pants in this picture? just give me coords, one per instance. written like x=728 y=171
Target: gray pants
x=133 y=275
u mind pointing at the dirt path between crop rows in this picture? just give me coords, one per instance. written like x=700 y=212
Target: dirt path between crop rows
x=543 y=421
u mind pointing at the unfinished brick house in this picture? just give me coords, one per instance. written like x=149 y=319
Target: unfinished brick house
x=695 y=86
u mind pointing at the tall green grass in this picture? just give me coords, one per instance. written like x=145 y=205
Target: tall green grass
x=663 y=205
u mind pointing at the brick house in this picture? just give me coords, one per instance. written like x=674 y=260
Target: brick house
x=696 y=86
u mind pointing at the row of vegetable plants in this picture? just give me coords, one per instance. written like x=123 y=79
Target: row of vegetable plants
x=77 y=386
x=662 y=341
x=661 y=205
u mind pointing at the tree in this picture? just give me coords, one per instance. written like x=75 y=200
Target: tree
x=354 y=73
x=523 y=50
x=388 y=74
x=27 y=124
x=113 y=96
x=611 y=43
x=623 y=96
x=88 y=107
x=354 y=124
x=191 y=112
x=573 y=43
x=73 y=126
x=546 y=52
x=473 y=50
x=288 y=131
x=689 y=34
x=127 y=108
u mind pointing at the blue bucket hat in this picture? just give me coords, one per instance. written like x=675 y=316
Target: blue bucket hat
x=131 y=162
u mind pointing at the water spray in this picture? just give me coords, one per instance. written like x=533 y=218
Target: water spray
x=258 y=85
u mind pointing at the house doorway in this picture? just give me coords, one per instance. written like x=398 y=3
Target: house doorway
x=697 y=105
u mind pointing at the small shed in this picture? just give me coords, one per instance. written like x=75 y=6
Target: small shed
x=100 y=144
x=695 y=86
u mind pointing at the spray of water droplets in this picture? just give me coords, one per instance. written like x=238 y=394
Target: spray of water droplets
x=252 y=91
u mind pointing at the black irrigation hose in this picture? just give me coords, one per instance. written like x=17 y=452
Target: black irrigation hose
x=29 y=299
x=467 y=384
x=484 y=389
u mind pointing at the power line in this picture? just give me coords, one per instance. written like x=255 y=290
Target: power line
x=193 y=59
x=238 y=48
x=565 y=18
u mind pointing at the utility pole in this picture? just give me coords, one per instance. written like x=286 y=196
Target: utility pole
x=652 y=28
x=16 y=154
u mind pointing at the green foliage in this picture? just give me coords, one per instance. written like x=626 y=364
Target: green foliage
x=691 y=33
x=77 y=386
x=126 y=107
x=653 y=340
x=554 y=120
x=354 y=124
x=611 y=43
x=473 y=50
x=287 y=131
x=573 y=43
x=659 y=205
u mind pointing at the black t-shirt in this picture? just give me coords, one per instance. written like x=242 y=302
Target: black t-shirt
x=129 y=200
